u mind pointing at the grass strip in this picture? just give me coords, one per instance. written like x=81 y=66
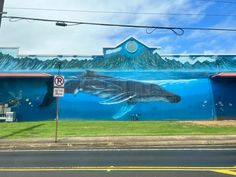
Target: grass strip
x=46 y=129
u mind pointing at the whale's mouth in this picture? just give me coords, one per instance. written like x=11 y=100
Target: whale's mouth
x=174 y=99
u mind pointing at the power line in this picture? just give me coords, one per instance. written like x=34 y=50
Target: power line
x=119 y=12
x=177 y=30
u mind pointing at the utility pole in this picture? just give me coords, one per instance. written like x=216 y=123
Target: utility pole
x=1 y=10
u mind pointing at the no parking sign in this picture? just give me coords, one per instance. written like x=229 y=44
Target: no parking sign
x=58 y=91
x=58 y=83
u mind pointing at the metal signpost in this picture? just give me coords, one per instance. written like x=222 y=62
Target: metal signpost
x=58 y=91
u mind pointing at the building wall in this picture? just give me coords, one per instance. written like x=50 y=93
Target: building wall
x=224 y=97
x=30 y=98
x=134 y=83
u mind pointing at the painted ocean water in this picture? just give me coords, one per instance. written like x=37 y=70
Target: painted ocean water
x=128 y=82
x=194 y=89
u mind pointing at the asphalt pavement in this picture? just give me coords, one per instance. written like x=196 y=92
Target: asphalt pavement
x=194 y=157
x=204 y=162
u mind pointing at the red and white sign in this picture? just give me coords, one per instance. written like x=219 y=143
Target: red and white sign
x=59 y=81
x=58 y=90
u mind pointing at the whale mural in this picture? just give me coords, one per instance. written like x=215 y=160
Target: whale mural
x=116 y=91
x=130 y=81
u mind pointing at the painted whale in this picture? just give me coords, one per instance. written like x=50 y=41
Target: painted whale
x=116 y=91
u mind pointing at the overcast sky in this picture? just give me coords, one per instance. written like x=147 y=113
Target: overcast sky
x=47 y=38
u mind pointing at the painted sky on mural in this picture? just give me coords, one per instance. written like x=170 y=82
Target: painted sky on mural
x=46 y=38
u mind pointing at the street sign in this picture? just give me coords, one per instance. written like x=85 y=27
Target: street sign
x=59 y=81
x=58 y=92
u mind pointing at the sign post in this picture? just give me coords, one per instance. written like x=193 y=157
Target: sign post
x=57 y=118
x=58 y=91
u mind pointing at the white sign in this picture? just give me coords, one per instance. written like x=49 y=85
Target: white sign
x=59 y=81
x=58 y=92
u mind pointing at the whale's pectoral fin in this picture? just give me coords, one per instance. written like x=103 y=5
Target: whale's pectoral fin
x=122 y=97
x=123 y=111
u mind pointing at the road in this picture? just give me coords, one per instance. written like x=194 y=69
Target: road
x=130 y=162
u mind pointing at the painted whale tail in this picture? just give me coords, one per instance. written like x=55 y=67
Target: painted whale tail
x=48 y=98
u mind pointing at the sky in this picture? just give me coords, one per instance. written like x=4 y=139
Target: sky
x=46 y=38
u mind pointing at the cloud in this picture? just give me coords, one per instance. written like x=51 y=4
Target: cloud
x=46 y=38
x=214 y=42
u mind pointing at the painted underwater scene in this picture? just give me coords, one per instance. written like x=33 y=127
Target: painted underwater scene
x=137 y=95
x=130 y=81
x=31 y=99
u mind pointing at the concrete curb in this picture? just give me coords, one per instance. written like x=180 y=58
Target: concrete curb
x=119 y=142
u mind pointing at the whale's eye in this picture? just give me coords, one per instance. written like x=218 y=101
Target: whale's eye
x=131 y=46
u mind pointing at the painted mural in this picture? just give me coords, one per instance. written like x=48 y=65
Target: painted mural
x=224 y=97
x=133 y=82
x=29 y=98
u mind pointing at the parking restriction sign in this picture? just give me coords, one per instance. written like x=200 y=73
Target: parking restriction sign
x=59 y=81
x=58 y=92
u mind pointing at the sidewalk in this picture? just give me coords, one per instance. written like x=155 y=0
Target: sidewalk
x=119 y=142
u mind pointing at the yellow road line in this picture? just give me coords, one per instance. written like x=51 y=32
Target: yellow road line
x=228 y=172
x=119 y=168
